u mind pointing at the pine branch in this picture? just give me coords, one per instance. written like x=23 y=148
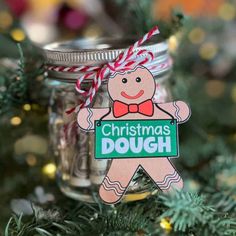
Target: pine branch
x=18 y=83
x=185 y=210
x=189 y=212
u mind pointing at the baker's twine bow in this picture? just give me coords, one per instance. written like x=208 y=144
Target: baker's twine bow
x=127 y=60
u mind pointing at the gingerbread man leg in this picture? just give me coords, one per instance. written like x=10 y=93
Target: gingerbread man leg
x=117 y=180
x=163 y=173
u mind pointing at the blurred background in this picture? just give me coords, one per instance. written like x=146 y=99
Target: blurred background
x=202 y=41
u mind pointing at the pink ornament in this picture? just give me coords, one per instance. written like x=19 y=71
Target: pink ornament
x=75 y=19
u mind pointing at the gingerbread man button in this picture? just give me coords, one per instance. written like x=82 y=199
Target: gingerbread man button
x=135 y=133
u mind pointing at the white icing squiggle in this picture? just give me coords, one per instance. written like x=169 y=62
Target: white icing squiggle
x=111 y=188
x=177 y=112
x=115 y=183
x=166 y=179
x=170 y=182
x=90 y=124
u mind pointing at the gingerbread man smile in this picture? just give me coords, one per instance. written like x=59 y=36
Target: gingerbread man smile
x=138 y=95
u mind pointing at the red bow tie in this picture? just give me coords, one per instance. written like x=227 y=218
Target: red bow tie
x=121 y=109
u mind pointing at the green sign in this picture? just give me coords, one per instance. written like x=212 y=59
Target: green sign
x=135 y=138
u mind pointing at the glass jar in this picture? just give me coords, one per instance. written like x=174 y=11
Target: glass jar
x=78 y=173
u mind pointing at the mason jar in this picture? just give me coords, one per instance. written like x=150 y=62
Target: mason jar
x=78 y=173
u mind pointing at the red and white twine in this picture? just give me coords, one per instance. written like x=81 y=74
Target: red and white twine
x=127 y=60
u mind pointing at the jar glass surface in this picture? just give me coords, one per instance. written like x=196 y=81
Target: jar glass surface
x=79 y=174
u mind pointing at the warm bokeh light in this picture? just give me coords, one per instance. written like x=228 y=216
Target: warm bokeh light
x=194 y=185
x=208 y=51
x=39 y=32
x=31 y=160
x=27 y=107
x=39 y=78
x=197 y=35
x=42 y=5
x=215 y=88
x=5 y=20
x=38 y=144
x=49 y=170
x=93 y=31
x=166 y=225
x=18 y=34
x=16 y=120
x=227 y=11
x=173 y=43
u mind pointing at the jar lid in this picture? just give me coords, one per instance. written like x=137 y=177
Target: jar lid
x=97 y=51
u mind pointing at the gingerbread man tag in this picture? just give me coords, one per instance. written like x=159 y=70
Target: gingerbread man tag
x=135 y=133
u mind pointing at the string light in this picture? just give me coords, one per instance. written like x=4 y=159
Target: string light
x=227 y=12
x=16 y=120
x=197 y=35
x=5 y=20
x=17 y=34
x=215 y=88
x=49 y=170
x=31 y=160
x=208 y=51
x=173 y=43
x=166 y=225
x=27 y=107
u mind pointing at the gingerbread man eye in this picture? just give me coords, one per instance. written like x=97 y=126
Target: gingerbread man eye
x=138 y=79
x=124 y=80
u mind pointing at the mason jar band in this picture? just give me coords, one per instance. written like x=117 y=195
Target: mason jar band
x=96 y=52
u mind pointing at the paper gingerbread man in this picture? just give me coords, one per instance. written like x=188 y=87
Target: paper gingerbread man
x=132 y=93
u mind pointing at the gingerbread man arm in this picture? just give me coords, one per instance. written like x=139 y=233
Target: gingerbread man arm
x=87 y=116
x=178 y=109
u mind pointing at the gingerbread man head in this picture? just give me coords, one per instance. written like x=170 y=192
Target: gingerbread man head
x=135 y=86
